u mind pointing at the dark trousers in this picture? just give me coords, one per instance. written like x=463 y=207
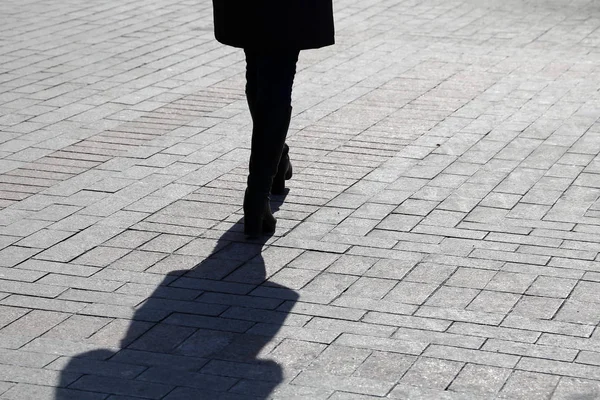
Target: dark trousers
x=269 y=80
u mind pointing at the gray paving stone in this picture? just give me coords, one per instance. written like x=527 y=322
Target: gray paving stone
x=391 y=269
x=510 y=282
x=451 y=314
x=389 y=366
x=293 y=278
x=17 y=274
x=101 y=256
x=76 y=328
x=351 y=265
x=588 y=357
x=173 y=263
x=79 y=244
x=471 y=278
x=586 y=291
x=26 y=359
x=444 y=338
x=125 y=312
x=410 y=321
x=558 y=368
x=370 y=288
x=578 y=312
x=162 y=338
x=480 y=379
x=44 y=239
x=292 y=332
x=28 y=391
x=190 y=379
x=32 y=289
x=411 y=292
x=552 y=287
x=563 y=328
x=13 y=255
x=313 y=244
x=431 y=373
x=403 y=391
x=130 y=239
x=79 y=282
x=35 y=376
x=544 y=271
x=472 y=356
x=313 y=260
x=452 y=297
x=537 y=307
x=97 y=367
x=430 y=273
x=375 y=305
x=296 y=354
x=529 y=385
x=381 y=344
x=118 y=333
x=213 y=286
x=576 y=388
x=198 y=321
x=237 y=300
x=111 y=385
x=354 y=384
x=531 y=350
x=339 y=360
x=510 y=257
x=326 y=287
x=571 y=343
x=486 y=331
x=58 y=267
x=398 y=222
x=265 y=316
x=10 y=314
x=322 y=310
x=171 y=361
x=101 y=297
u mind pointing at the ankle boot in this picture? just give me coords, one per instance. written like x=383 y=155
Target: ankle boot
x=258 y=218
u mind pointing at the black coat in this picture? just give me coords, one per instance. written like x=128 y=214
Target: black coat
x=274 y=24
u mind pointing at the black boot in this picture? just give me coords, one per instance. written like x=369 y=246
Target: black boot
x=268 y=140
x=284 y=169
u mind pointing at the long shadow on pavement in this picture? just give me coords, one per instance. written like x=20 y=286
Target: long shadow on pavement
x=198 y=336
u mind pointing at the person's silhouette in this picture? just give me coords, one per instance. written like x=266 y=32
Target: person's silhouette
x=272 y=34
x=197 y=336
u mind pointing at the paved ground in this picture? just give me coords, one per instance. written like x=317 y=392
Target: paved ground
x=440 y=239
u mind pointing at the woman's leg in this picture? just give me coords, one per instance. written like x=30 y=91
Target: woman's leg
x=269 y=80
x=251 y=82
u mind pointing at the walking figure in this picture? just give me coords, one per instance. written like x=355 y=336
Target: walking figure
x=272 y=34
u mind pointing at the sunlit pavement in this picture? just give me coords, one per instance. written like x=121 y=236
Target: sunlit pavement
x=440 y=238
